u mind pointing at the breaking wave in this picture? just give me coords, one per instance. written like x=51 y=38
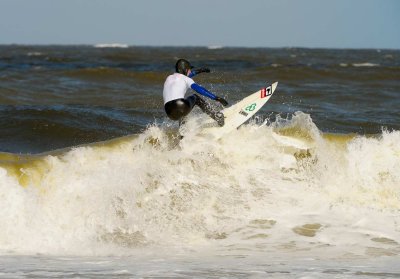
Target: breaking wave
x=279 y=187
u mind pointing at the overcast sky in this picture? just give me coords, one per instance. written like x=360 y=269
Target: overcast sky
x=250 y=23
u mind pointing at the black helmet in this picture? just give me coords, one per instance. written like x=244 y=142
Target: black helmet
x=182 y=66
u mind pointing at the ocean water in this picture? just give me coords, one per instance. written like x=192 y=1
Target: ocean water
x=94 y=181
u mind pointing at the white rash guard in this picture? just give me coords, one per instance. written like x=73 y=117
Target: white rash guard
x=176 y=86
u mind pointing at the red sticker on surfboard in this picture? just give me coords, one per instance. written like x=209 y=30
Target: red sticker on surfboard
x=265 y=92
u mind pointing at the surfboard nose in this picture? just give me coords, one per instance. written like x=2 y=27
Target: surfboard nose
x=274 y=85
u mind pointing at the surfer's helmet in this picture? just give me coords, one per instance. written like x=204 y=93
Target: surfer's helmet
x=182 y=66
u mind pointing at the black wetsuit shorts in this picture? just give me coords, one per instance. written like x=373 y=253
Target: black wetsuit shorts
x=179 y=108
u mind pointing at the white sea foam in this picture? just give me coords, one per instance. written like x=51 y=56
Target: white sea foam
x=366 y=64
x=251 y=190
x=215 y=47
x=113 y=45
x=34 y=53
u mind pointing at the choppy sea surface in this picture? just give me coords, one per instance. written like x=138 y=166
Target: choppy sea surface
x=95 y=182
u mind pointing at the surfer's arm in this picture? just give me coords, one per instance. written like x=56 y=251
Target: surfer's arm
x=198 y=71
x=205 y=92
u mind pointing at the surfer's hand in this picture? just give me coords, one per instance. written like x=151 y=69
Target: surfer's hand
x=202 y=70
x=222 y=101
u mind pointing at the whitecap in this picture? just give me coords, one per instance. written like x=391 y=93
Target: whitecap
x=113 y=45
x=215 y=47
x=366 y=64
x=35 y=53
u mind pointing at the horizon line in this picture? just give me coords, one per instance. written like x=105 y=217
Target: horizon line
x=210 y=47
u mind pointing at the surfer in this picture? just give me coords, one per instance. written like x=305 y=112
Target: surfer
x=177 y=105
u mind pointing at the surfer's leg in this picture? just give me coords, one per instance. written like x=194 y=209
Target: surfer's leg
x=182 y=121
x=190 y=102
x=178 y=109
x=209 y=110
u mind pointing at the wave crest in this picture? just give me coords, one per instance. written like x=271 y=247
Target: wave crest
x=260 y=185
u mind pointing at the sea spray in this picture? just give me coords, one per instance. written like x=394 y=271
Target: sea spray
x=251 y=190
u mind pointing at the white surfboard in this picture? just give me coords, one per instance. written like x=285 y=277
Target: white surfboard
x=239 y=113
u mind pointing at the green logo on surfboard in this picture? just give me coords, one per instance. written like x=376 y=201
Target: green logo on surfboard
x=251 y=107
